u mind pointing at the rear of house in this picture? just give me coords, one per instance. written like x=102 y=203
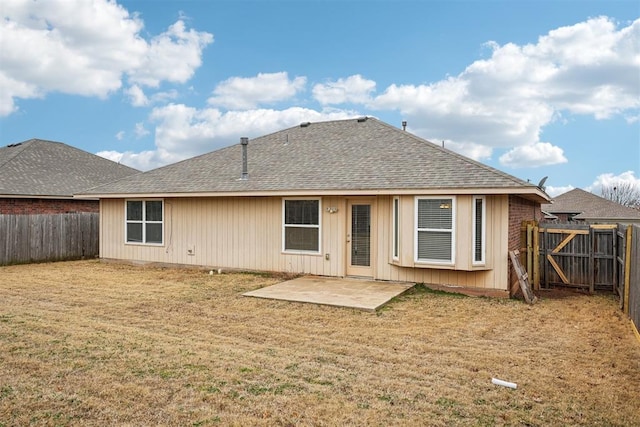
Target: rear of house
x=343 y=198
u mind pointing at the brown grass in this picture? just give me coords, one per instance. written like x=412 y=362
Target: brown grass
x=88 y=343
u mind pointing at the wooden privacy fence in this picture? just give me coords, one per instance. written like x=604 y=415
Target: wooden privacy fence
x=48 y=237
x=590 y=257
x=628 y=270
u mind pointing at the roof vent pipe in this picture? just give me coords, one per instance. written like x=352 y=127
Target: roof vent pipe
x=244 y=141
x=404 y=125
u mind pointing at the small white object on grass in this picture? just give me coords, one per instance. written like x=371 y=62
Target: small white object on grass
x=219 y=271
x=504 y=383
x=210 y=272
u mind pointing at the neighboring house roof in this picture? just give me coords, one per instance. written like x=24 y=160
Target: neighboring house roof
x=38 y=168
x=354 y=156
x=588 y=206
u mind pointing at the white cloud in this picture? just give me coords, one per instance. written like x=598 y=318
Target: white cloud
x=172 y=56
x=533 y=155
x=506 y=100
x=136 y=96
x=144 y=160
x=244 y=93
x=87 y=48
x=114 y=156
x=120 y=135
x=184 y=131
x=609 y=179
x=160 y=97
x=354 y=89
x=140 y=130
x=556 y=191
x=469 y=149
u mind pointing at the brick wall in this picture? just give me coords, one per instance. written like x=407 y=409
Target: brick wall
x=46 y=206
x=520 y=210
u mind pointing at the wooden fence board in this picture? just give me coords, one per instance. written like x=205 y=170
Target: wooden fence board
x=633 y=290
x=38 y=238
x=523 y=277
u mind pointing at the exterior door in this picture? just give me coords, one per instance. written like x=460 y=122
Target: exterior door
x=359 y=239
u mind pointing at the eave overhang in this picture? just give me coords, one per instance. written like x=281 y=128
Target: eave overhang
x=529 y=193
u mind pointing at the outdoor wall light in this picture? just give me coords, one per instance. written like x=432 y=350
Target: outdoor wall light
x=332 y=210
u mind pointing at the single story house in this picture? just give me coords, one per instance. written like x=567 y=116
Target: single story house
x=583 y=207
x=341 y=198
x=40 y=177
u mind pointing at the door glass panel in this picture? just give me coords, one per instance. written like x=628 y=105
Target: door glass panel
x=361 y=235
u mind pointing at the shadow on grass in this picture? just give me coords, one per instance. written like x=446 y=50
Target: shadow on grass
x=422 y=289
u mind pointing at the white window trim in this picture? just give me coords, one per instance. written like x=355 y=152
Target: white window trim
x=143 y=222
x=452 y=231
x=319 y=226
x=483 y=249
x=395 y=229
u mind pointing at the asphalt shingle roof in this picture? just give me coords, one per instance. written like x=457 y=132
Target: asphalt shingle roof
x=588 y=206
x=53 y=169
x=344 y=155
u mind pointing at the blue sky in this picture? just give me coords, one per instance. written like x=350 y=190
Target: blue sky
x=534 y=88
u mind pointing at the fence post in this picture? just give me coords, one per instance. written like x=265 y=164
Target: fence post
x=545 y=241
x=627 y=271
x=592 y=269
x=536 y=257
x=529 y=255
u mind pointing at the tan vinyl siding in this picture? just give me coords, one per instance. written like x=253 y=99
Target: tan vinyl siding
x=238 y=233
x=246 y=233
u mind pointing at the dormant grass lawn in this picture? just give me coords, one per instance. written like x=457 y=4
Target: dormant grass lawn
x=89 y=343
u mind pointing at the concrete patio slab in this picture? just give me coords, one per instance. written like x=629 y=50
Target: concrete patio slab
x=362 y=294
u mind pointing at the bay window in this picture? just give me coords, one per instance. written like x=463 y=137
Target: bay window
x=435 y=230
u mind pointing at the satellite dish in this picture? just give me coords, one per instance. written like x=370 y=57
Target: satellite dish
x=541 y=183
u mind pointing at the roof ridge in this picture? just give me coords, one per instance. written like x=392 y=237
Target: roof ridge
x=17 y=152
x=309 y=123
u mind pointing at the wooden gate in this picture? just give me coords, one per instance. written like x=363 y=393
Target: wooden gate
x=590 y=257
x=578 y=256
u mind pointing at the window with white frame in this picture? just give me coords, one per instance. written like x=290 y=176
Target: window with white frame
x=396 y=228
x=144 y=221
x=479 y=229
x=301 y=225
x=435 y=230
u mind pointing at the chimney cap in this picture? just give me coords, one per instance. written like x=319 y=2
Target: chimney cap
x=244 y=140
